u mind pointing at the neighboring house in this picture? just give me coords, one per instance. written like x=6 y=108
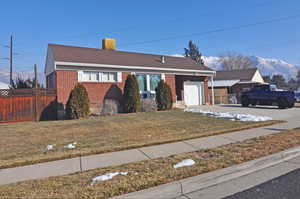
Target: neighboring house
x=103 y=72
x=228 y=85
x=4 y=86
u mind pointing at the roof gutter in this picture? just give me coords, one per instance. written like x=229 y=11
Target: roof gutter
x=132 y=67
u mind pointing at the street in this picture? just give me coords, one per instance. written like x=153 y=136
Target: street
x=283 y=187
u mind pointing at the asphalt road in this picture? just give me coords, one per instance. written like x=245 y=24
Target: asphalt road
x=283 y=187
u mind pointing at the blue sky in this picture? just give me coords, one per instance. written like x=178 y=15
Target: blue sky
x=35 y=23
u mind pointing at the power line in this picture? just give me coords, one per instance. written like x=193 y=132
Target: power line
x=274 y=20
x=164 y=22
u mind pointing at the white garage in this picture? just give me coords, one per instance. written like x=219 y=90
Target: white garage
x=193 y=93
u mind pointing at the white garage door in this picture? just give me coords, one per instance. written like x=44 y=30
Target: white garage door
x=193 y=93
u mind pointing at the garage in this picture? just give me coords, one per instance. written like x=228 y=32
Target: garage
x=193 y=93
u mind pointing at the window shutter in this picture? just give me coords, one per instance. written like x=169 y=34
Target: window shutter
x=80 y=76
x=119 y=77
x=163 y=77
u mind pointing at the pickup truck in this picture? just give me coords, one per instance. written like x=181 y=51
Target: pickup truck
x=268 y=95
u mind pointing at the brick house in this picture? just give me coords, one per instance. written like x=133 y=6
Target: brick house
x=103 y=72
x=232 y=83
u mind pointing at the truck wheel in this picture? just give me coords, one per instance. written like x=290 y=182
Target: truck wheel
x=253 y=103
x=245 y=101
x=291 y=105
x=282 y=103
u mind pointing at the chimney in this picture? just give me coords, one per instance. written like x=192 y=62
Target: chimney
x=162 y=59
x=108 y=44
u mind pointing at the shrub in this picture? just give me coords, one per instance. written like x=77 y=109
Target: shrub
x=110 y=107
x=148 y=105
x=163 y=96
x=78 y=105
x=131 y=96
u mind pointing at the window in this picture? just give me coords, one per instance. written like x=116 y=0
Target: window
x=147 y=84
x=90 y=76
x=154 y=80
x=93 y=76
x=142 y=81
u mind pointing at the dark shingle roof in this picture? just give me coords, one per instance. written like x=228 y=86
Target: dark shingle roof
x=243 y=75
x=114 y=57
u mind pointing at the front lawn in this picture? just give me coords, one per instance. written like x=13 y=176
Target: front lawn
x=25 y=143
x=150 y=173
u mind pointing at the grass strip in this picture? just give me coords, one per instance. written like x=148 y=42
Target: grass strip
x=149 y=173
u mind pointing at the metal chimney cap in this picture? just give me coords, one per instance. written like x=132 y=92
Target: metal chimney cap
x=162 y=59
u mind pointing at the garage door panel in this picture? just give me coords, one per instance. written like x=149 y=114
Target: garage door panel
x=193 y=93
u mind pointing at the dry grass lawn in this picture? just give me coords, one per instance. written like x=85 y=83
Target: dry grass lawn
x=145 y=174
x=25 y=143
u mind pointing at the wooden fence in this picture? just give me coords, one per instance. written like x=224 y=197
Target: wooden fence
x=18 y=105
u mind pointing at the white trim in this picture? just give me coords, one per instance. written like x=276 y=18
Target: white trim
x=163 y=76
x=132 y=67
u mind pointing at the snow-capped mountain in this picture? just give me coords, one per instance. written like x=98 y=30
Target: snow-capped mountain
x=266 y=66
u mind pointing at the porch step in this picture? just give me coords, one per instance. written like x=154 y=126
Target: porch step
x=180 y=105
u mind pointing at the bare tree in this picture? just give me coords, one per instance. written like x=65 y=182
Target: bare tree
x=235 y=61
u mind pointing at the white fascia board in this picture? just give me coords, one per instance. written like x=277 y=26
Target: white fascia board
x=132 y=67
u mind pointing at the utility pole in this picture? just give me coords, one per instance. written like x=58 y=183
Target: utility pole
x=35 y=76
x=11 y=60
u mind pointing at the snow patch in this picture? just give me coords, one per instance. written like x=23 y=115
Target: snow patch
x=184 y=163
x=233 y=116
x=71 y=146
x=49 y=147
x=107 y=176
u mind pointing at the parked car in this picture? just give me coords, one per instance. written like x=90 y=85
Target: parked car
x=297 y=96
x=268 y=95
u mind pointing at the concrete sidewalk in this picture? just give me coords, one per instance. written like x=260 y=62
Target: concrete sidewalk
x=225 y=182
x=68 y=166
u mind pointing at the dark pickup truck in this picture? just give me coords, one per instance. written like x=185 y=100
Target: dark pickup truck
x=268 y=95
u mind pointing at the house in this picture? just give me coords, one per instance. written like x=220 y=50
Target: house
x=229 y=84
x=4 y=86
x=103 y=72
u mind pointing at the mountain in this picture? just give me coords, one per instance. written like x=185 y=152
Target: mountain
x=266 y=66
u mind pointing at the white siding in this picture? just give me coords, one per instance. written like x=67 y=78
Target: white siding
x=258 y=77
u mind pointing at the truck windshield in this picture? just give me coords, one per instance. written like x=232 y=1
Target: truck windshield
x=273 y=87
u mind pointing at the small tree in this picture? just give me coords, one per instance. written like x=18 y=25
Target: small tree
x=131 y=96
x=78 y=105
x=163 y=96
x=193 y=52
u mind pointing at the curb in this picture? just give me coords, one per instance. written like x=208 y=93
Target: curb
x=206 y=180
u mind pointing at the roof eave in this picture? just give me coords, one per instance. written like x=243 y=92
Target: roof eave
x=77 y=64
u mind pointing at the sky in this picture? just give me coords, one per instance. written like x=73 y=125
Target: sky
x=266 y=28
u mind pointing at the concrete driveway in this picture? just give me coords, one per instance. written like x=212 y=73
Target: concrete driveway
x=273 y=112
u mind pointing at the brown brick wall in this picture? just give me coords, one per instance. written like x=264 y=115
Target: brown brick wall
x=98 y=92
x=170 y=80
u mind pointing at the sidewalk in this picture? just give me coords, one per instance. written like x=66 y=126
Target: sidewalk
x=225 y=182
x=68 y=166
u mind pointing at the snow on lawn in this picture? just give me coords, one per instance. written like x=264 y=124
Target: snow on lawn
x=49 y=147
x=108 y=176
x=71 y=146
x=233 y=116
x=184 y=163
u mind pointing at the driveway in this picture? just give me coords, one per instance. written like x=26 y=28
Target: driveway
x=273 y=112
